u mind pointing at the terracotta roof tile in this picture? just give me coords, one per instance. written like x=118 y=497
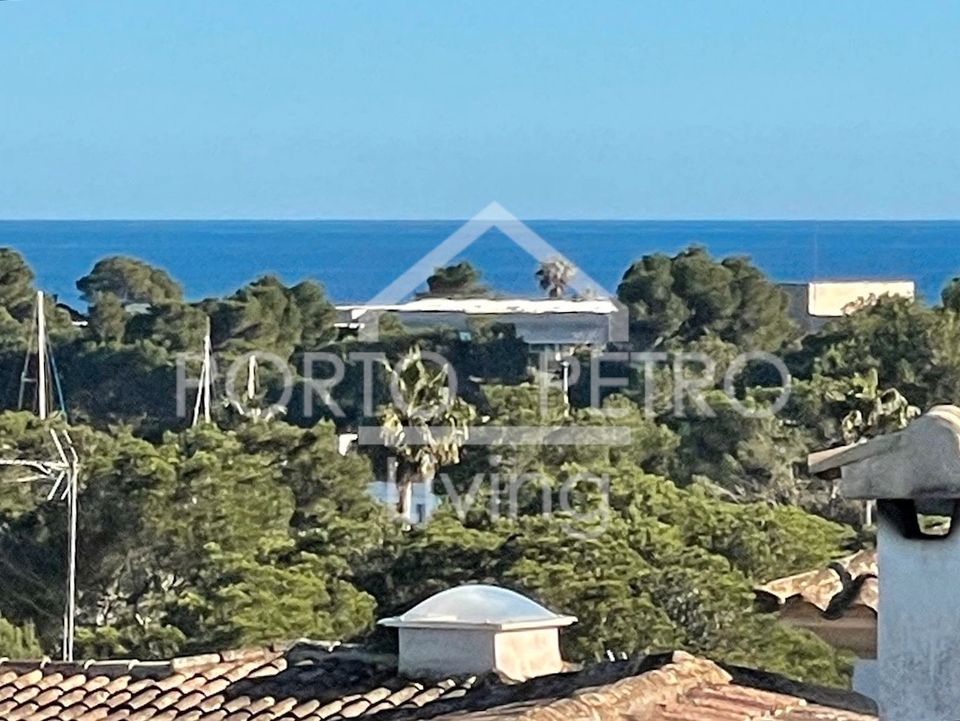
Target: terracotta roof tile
x=845 y=583
x=838 y=603
x=320 y=684
x=96 y=714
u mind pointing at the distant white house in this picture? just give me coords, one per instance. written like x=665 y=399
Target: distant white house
x=541 y=322
x=813 y=304
x=423 y=501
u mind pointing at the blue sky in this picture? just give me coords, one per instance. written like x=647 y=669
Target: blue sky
x=431 y=109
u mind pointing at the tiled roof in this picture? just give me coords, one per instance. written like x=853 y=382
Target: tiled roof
x=313 y=683
x=838 y=603
x=846 y=584
x=685 y=688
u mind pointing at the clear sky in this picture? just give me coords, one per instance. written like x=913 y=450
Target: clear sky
x=431 y=109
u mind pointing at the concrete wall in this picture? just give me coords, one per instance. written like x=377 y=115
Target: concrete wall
x=865 y=678
x=521 y=655
x=811 y=305
x=918 y=640
x=517 y=655
x=440 y=653
x=533 y=328
x=834 y=298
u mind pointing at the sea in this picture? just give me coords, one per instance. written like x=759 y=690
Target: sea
x=354 y=260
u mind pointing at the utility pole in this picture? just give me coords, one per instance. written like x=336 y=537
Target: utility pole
x=41 y=359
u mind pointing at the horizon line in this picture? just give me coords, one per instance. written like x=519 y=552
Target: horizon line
x=253 y=219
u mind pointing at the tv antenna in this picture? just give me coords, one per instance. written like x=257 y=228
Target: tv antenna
x=63 y=472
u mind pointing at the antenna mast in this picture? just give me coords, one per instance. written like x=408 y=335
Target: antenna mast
x=44 y=363
x=206 y=381
x=65 y=470
x=41 y=359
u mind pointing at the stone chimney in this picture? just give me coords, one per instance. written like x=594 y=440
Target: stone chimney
x=477 y=629
x=916 y=676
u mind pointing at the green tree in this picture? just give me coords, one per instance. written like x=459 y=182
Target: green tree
x=873 y=411
x=950 y=295
x=332 y=510
x=238 y=600
x=18 y=642
x=18 y=301
x=107 y=319
x=752 y=457
x=460 y=280
x=172 y=327
x=200 y=540
x=911 y=347
x=17 y=294
x=266 y=315
x=678 y=299
x=317 y=315
x=130 y=280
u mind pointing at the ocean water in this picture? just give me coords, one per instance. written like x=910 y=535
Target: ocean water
x=356 y=259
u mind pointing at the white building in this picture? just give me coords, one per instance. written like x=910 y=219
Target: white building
x=561 y=322
x=813 y=304
x=423 y=501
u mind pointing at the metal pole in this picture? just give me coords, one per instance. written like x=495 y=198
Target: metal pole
x=41 y=359
x=251 y=377
x=70 y=610
x=67 y=468
x=208 y=381
x=205 y=381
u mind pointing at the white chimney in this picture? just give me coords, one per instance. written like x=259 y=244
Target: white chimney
x=916 y=676
x=477 y=629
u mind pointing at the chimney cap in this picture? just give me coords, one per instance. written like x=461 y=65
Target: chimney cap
x=478 y=606
x=920 y=462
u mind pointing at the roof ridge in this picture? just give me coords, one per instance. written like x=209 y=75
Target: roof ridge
x=840 y=572
x=635 y=696
x=146 y=668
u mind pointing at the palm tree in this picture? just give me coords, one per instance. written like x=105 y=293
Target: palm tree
x=554 y=275
x=873 y=411
x=426 y=425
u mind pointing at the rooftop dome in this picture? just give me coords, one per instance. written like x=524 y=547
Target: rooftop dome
x=479 y=605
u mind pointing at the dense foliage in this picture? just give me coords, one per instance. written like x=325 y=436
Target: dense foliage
x=247 y=530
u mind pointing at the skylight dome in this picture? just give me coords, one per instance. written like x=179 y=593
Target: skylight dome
x=479 y=606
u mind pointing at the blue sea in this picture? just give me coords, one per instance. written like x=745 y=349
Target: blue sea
x=356 y=259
